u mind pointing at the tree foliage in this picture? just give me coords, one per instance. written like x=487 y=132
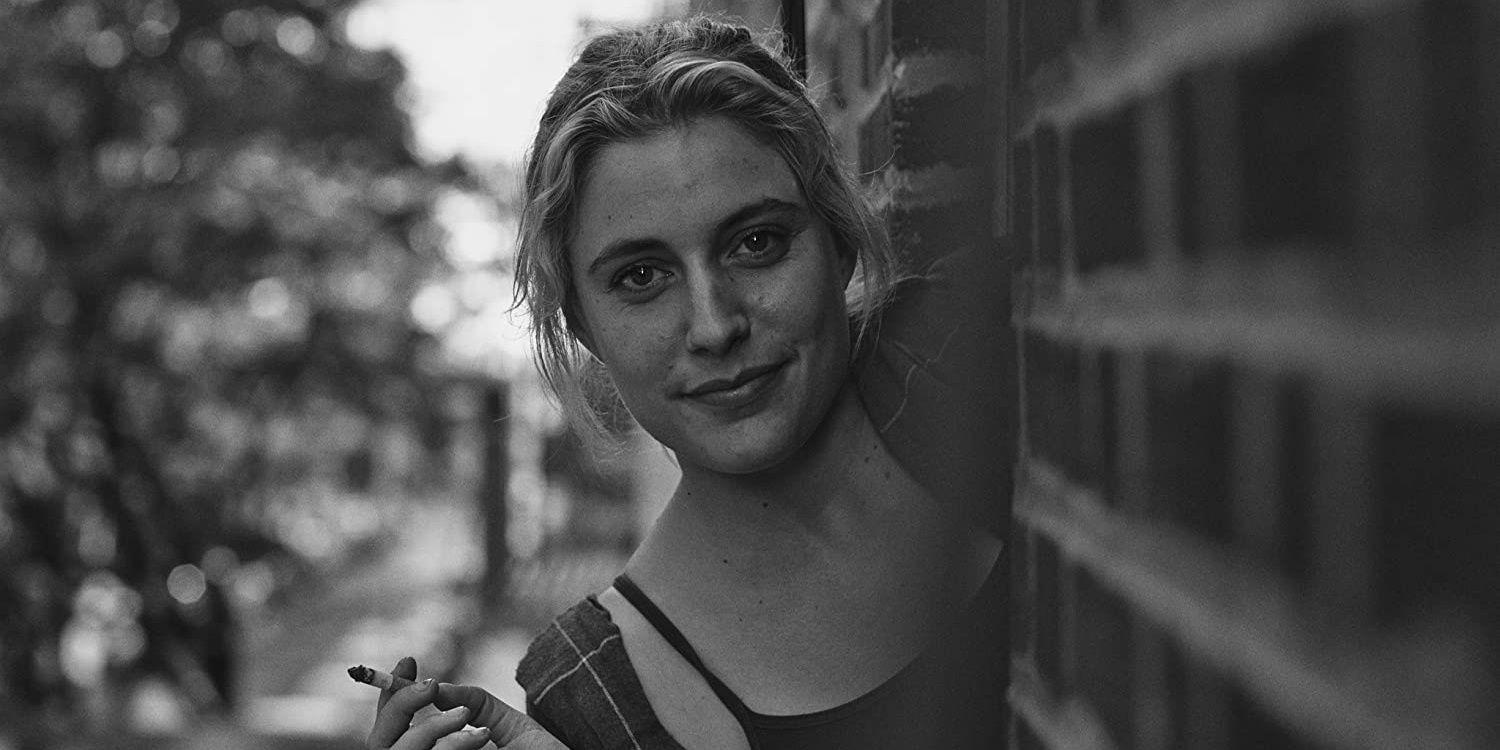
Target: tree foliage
x=211 y=226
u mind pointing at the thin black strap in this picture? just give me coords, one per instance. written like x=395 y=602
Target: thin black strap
x=658 y=620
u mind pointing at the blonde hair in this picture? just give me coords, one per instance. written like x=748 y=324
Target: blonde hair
x=634 y=83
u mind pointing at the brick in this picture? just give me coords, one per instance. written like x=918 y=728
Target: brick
x=1393 y=202
x=1254 y=469
x=1048 y=202
x=1097 y=421
x=1104 y=160
x=1105 y=654
x=1188 y=407
x=1040 y=394
x=1464 y=101
x=1132 y=420
x=1342 y=512
x=1048 y=652
x=1438 y=481
x=1158 y=189
x=1272 y=469
x=1052 y=401
x=1023 y=610
x=1070 y=661
x=1295 y=481
x=1067 y=411
x=1204 y=117
x=1295 y=116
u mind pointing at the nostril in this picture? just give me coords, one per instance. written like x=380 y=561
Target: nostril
x=718 y=333
x=718 y=319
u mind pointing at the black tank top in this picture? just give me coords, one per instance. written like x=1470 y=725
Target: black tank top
x=952 y=695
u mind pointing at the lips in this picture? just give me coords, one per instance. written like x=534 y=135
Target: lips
x=739 y=389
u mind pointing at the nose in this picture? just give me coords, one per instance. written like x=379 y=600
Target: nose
x=717 y=318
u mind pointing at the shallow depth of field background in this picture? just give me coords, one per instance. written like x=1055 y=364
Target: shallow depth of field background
x=264 y=413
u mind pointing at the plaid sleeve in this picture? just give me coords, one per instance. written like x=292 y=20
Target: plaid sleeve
x=581 y=687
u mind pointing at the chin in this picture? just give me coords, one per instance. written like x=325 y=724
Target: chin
x=750 y=460
x=747 y=454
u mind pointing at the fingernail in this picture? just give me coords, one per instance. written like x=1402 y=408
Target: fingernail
x=460 y=711
x=427 y=684
x=479 y=733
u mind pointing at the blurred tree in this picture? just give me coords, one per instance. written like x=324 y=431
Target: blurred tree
x=211 y=228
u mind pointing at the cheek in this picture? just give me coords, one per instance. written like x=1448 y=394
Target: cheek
x=631 y=351
x=825 y=306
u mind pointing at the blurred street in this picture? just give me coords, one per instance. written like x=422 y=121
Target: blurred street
x=414 y=599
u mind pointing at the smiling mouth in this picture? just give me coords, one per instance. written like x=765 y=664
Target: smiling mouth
x=726 y=391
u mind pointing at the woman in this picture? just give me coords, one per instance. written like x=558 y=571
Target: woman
x=690 y=231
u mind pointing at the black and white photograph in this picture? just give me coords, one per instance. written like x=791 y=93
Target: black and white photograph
x=749 y=374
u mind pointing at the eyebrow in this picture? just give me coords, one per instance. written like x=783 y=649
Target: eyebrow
x=627 y=247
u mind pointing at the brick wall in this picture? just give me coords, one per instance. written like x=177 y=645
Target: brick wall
x=1252 y=346
x=1258 y=494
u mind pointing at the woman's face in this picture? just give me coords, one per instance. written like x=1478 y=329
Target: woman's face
x=712 y=293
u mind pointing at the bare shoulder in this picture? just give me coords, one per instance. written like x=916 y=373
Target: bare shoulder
x=681 y=698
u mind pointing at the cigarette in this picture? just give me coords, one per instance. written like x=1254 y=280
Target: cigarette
x=372 y=676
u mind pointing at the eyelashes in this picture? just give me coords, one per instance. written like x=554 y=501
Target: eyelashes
x=637 y=277
x=756 y=248
x=764 y=245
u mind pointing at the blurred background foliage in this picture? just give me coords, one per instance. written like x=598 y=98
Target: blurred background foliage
x=212 y=225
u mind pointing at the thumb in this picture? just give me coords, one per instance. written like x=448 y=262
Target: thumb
x=509 y=728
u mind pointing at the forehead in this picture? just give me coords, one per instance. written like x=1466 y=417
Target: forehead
x=675 y=184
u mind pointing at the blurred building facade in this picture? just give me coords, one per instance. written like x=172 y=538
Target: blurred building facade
x=1254 y=338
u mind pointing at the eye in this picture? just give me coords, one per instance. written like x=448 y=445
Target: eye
x=757 y=242
x=637 y=277
x=763 y=246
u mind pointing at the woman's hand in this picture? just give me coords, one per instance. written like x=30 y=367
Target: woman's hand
x=461 y=705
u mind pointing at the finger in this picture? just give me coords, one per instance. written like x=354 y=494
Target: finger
x=487 y=710
x=467 y=739
x=506 y=724
x=406 y=667
x=393 y=718
x=426 y=732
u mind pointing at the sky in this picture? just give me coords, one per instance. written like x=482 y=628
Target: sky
x=480 y=70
